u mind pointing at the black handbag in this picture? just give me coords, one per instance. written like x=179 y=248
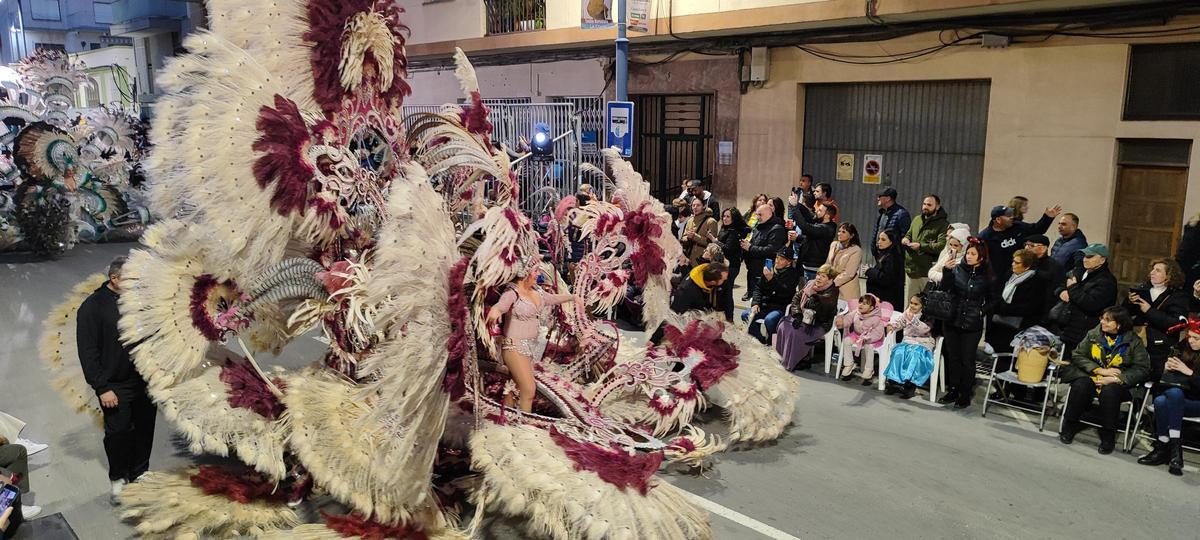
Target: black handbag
x=1012 y=322
x=1060 y=314
x=939 y=304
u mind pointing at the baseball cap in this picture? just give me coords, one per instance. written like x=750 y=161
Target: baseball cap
x=695 y=183
x=1038 y=239
x=1095 y=249
x=785 y=253
x=889 y=192
x=1001 y=210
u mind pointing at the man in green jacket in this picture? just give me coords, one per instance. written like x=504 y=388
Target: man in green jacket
x=924 y=242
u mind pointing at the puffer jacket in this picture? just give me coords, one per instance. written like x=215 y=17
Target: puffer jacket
x=822 y=302
x=1135 y=362
x=767 y=239
x=774 y=294
x=973 y=297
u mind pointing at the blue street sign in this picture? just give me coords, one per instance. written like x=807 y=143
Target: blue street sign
x=620 y=126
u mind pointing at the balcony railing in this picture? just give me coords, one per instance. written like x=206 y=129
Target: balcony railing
x=508 y=16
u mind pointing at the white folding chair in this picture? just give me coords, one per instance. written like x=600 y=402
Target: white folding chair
x=885 y=350
x=1148 y=405
x=1049 y=382
x=1129 y=415
x=938 y=376
x=834 y=337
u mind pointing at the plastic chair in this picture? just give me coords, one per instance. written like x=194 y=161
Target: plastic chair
x=1137 y=432
x=833 y=336
x=997 y=380
x=871 y=350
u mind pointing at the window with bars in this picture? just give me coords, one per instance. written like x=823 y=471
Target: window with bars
x=509 y=16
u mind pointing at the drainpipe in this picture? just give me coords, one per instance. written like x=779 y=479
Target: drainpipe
x=622 y=53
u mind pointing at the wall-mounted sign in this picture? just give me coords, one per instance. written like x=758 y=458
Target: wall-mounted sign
x=724 y=152
x=596 y=14
x=872 y=168
x=638 y=15
x=845 y=167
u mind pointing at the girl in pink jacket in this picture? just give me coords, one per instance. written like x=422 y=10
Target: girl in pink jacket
x=865 y=326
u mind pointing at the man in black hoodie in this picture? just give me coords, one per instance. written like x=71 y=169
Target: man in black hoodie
x=129 y=414
x=767 y=239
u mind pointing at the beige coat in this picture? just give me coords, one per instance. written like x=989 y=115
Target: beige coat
x=704 y=225
x=846 y=262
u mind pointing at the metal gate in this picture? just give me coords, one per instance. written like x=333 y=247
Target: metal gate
x=931 y=136
x=674 y=141
x=541 y=181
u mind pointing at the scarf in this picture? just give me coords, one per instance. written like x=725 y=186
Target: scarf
x=1014 y=281
x=1109 y=353
x=1156 y=292
x=697 y=277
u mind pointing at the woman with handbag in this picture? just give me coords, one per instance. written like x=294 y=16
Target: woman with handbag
x=1107 y=364
x=886 y=279
x=1020 y=306
x=1177 y=396
x=970 y=284
x=808 y=319
x=1157 y=306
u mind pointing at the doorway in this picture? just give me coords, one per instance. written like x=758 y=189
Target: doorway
x=1148 y=207
x=674 y=141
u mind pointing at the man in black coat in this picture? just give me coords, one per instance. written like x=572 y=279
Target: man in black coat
x=1048 y=268
x=819 y=231
x=129 y=414
x=773 y=296
x=768 y=238
x=699 y=291
x=1089 y=289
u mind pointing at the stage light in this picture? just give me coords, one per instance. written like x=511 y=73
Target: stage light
x=542 y=145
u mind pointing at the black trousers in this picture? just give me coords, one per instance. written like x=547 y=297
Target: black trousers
x=727 y=291
x=958 y=351
x=1083 y=397
x=754 y=272
x=129 y=434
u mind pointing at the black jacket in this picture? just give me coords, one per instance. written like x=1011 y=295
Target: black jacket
x=1170 y=308
x=817 y=237
x=105 y=360
x=824 y=303
x=1089 y=297
x=1188 y=253
x=1029 y=301
x=886 y=278
x=767 y=239
x=731 y=244
x=690 y=297
x=973 y=297
x=1054 y=276
x=776 y=293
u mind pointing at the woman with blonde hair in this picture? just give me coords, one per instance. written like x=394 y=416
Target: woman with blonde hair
x=808 y=319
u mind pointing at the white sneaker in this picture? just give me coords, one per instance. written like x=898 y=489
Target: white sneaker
x=31 y=447
x=30 y=512
x=114 y=497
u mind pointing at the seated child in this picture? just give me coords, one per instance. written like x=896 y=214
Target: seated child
x=912 y=360
x=866 y=327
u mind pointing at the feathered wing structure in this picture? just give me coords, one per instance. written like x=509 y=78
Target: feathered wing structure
x=527 y=474
x=204 y=153
x=759 y=397
x=390 y=422
x=171 y=505
x=59 y=350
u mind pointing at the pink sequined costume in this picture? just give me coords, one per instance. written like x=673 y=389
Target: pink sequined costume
x=523 y=328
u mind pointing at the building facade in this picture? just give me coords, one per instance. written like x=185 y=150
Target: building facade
x=1080 y=103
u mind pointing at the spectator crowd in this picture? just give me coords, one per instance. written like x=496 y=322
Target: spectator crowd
x=926 y=277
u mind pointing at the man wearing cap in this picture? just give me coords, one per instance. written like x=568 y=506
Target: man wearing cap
x=923 y=242
x=1070 y=241
x=1004 y=236
x=773 y=295
x=695 y=189
x=891 y=216
x=1048 y=269
x=1088 y=290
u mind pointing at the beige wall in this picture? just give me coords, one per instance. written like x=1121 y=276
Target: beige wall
x=1055 y=115
x=537 y=81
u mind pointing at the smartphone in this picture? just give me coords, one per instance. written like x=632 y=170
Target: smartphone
x=8 y=494
x=771 y=265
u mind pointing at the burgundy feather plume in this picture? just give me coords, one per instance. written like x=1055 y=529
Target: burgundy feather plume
x=198 y=307
x=355 y=525
x=283 y=137
x=720 y=356
x=458 y=342
x=641 y=227
x=327 y=31
x=244 y=486
x=475 y=118
x=248 y=391
x=613 y=465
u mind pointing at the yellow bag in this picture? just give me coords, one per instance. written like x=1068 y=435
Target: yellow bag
x=1031 y=364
